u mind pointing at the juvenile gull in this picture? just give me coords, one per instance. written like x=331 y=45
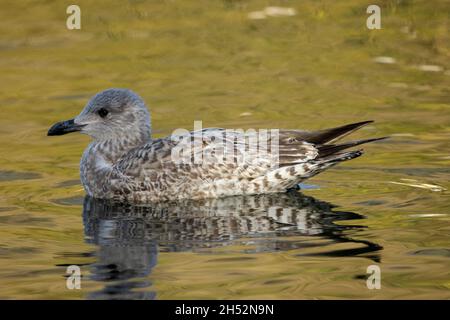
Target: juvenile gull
x=124 y=163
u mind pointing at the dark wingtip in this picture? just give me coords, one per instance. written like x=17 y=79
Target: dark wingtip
x=376 y=139
x=353 y=126
x=337 y=133
x=363 y=122
x=329 y=149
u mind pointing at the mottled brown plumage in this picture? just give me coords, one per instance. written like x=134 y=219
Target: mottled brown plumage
x=124 y=163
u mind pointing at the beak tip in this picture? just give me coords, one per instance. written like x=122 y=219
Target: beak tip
x=63 y=127
x=55 y=129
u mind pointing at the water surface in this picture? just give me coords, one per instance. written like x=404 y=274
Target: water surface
x=206 y=60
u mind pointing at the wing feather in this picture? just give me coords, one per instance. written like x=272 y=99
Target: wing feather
x=215 y=153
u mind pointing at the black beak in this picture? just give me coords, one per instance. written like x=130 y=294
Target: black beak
x=64 y=127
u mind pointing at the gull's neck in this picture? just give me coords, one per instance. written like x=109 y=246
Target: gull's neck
x=97 y=162
x=113 y=149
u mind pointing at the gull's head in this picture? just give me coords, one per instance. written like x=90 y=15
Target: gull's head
x=110 y=114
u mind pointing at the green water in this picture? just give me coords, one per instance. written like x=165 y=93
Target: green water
x=206 y=60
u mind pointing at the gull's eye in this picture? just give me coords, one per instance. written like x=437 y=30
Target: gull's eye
x=102 y=112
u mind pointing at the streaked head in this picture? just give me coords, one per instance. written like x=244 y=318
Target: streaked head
x=110 y=114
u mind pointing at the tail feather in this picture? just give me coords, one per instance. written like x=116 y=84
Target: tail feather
x=298 y=162
x=339 y=157
x=325 y=163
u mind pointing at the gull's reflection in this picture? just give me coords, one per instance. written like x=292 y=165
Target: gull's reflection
x=129 y=237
